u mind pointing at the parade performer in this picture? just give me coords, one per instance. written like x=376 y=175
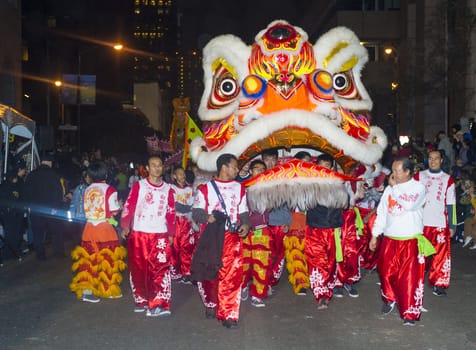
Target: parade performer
x=348 y=270
x=149 y=217
x=323 y=248
x=294 y=244
x=439 y=220
x=221 y=296
x=99 y=259
x=366 y=207
x=401 y=263
x=257 y=252
x=185 y=237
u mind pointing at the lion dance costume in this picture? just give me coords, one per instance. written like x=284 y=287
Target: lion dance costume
x=99 y=259
x=284 y=92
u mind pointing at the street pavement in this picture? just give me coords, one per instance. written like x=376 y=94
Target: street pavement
x=37 y=311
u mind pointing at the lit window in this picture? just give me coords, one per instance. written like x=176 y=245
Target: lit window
x=137 y=11
x=136 y=2
x=25 y=56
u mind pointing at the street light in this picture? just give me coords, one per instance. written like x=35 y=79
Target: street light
x=392 y=55
x=116 y=47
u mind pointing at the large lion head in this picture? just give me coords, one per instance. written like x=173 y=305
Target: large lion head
x=284 y=92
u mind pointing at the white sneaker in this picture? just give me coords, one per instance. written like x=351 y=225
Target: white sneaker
x=89 y=298
x=158 y=312
x=467 y=241
x=473 y=247
x=244 y=293
x=257 y=302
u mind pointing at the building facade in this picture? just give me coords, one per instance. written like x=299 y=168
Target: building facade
x=11 y=54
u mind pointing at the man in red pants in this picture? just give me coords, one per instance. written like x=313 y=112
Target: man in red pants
x=403 y=248
x=322 y=245
x=439 y=220
x=221 y=296
x=149 y=217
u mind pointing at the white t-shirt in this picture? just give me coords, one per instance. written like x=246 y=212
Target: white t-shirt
x=440 y=192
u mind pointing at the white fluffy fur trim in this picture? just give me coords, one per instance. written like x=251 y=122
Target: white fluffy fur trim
x=297 y=193
x=326 y=44
x=367 y=153
x=236 y=54
x=334 y=37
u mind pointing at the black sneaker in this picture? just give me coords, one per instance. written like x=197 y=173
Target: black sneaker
x=409 y=323
x=439 y=291
x=186 y=279
x=338 y=292
x=351 y=290
x=230 y=324
x=302 y=291
x=210 y=313
x=388 y=307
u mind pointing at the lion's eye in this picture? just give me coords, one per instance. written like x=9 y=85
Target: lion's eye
x=344 y=86
x=340 y=82
x=225 y=89
x=228 y=87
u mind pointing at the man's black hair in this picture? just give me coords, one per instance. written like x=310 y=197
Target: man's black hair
x=97 y=171
x=407 y=164
x=273 y=152
x=324 y=157
x=256 y=162
x=302 y=155
x=224 y=159
x=155 y=156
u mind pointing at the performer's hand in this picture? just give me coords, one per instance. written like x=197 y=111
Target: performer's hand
x=373 y=243
x=452 y=232
x=125 y=232
x=285 y=228
x=391 y=180
x=243 y=231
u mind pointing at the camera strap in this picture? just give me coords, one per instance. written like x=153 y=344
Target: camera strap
x=220 y=198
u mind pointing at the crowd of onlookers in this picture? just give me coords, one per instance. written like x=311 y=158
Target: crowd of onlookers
x=459 y=160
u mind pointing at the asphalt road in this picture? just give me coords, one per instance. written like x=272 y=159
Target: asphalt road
x=37 y=311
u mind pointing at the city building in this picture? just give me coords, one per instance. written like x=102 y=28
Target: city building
x=421 y=72
x=161 y=57
x=11 y=54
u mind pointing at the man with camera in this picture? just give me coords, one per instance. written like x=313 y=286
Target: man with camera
x=221 y=296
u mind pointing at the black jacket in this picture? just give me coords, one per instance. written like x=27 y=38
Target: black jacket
x=322 y=217
x=206 y=260
x=43 y=187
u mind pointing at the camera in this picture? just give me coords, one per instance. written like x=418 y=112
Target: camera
x=233 y=227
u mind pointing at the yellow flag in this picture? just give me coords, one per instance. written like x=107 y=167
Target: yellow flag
x=191 y=131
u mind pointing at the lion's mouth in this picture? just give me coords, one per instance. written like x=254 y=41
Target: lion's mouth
x=293 y=137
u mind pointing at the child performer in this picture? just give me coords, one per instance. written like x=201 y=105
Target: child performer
x=184 y=240
x=257 y=252
x=99 y=259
